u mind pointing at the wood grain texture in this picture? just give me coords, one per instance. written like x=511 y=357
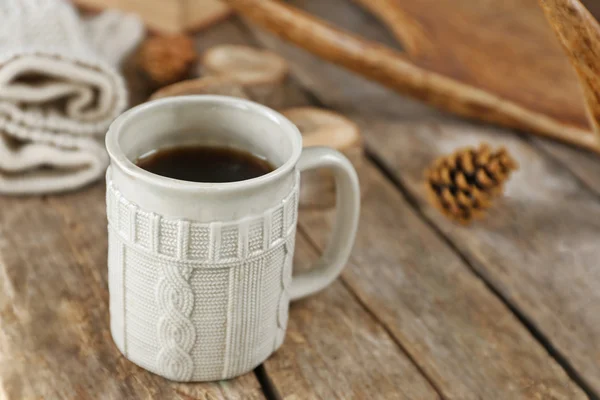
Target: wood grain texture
x=55 y=341
x=537 y=248
x=492 y=75
x=405 y=295
x=54 y=337
x=334 y=349
x=579 y=34
x=464 y=339
x=584 y=166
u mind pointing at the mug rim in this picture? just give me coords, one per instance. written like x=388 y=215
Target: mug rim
x=117 y=155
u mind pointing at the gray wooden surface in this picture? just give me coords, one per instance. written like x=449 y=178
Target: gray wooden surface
x=508 y=308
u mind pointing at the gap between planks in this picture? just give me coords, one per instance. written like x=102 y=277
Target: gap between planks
x=527 y=323
x=315 y=100
x=389 y=175
x=365 y=307
x=380 y=165
x=268 y=388
x=543 y=149
x=263 y=377
x=266 y=382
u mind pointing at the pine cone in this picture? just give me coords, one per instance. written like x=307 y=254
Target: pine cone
x=462 y=185
x=167 y=59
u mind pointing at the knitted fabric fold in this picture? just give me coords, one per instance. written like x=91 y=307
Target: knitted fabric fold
x=59 y=92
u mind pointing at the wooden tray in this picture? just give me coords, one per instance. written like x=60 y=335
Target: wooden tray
x=498 y=62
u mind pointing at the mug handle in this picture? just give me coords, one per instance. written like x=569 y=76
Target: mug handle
x=335 y=256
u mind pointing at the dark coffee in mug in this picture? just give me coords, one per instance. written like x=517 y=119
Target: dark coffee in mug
x=208 y=164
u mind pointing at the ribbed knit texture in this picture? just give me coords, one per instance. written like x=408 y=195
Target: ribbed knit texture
x=59 y=92
x=199 y=301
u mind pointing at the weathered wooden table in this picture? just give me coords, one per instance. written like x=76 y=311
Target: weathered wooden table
x=507 y=308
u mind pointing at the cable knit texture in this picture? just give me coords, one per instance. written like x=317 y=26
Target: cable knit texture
x=59 y=92
x=199 y=301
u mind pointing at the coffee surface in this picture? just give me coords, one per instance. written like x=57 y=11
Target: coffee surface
x=205 y=164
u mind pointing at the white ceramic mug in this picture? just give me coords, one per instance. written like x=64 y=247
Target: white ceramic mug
x=200 y=274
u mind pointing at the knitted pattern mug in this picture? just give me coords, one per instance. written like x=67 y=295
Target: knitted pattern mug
x=200 y=274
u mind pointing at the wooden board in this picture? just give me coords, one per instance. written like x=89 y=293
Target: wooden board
x=584 y=166
x=55 y=341
x=537 y=251
x=469 y=57
x=54 y=330
x=537 y=248
x=394 y=282
x=463 y=338
x=335 y=349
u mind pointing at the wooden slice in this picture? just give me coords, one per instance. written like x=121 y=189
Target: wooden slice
x=205 y=85
x=260 y=72
x=321 y=127
x=246 y=65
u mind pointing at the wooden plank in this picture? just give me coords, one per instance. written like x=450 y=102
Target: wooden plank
x=333 y=347
x=537 y=249
x=60 y=347
x=54 y=333
x=54 y=322
x=464 y=339
x=351 y=94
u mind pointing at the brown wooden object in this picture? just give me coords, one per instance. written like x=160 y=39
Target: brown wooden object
x=173 y=16
x=166 y=59
x=499 y=63
x=579 y=35
x=260 y=72
x=321 y=127
x=537 y=249
x=244 y=64
x=54 y=316
x=408 y=319
x=205 y=85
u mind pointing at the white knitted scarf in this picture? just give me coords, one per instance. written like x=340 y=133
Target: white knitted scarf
x=59 y=92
